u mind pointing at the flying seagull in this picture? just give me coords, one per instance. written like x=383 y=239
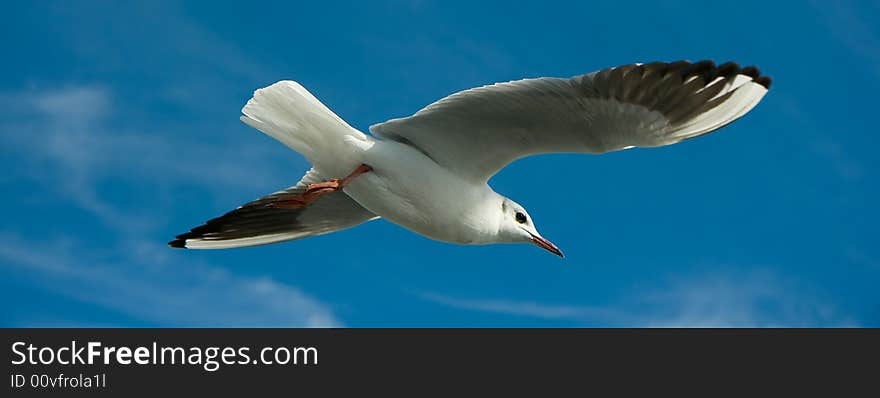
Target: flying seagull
x=429 y=172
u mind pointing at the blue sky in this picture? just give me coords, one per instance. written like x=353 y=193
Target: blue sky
x=120 y=130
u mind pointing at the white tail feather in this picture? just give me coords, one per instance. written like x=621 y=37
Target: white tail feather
x=287 y=112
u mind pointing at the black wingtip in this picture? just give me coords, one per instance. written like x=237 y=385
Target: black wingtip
x=705 y=69
x=178 y=243
x=728 y=69
x=751 y=71
x=764 y=81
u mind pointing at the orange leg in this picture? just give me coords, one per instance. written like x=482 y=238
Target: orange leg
x=314 y=191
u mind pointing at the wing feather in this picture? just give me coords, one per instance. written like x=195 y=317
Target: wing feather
x=477 y=132
x=258 y=223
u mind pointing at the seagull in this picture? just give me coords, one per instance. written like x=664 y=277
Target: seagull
x=429 y=172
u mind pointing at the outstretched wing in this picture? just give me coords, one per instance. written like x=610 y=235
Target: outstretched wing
x=257 y=223
x=477 y=132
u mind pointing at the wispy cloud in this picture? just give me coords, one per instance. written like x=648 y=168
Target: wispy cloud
x=66 y=143
x=144 y=284
x=747 y=298
x=852 y=26
x=71 y=147
x=740 y=298
x=521 y=308
x=81 y=145
x=158 y=42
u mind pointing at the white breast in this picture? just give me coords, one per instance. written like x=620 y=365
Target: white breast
x=408 y=188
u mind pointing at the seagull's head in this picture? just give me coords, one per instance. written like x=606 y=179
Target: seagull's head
x=517 y=226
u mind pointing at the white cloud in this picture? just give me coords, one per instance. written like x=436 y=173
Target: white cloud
x=146 y=284
x=520 y=308
x=70 y=146
x=727 y=298
x=64 y=141
x=739 y=298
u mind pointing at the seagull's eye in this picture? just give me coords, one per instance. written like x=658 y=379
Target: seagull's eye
x=520 y=218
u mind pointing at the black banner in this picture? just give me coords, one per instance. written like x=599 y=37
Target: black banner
x=332 y=362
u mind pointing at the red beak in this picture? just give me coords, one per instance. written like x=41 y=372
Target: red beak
x=547 y=245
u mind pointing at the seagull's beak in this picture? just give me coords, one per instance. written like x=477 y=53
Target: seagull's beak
x=546 y=245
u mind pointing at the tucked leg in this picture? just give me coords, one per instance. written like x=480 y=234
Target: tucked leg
x=314 y=191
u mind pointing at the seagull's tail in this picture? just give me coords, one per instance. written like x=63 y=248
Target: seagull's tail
x=289 y=113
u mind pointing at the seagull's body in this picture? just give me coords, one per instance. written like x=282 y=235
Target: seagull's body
x=408 y=188
x=429 y=172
